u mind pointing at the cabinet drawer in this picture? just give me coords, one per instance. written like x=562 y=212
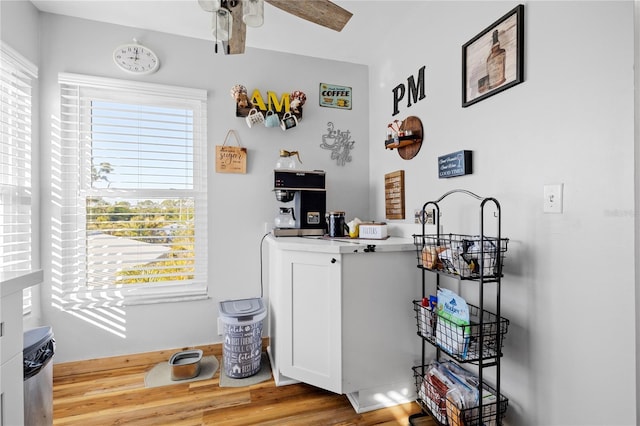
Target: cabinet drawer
x=10 y=325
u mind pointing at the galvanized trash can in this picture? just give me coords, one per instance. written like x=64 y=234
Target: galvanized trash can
x=38 y=351
x=242 y=348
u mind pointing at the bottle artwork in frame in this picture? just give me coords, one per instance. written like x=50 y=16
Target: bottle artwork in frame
x=493 y=60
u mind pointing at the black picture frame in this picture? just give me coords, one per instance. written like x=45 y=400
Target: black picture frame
x=489 y=68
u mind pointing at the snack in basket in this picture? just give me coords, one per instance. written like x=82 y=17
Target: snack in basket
x=430 y=258
x=466 y=257
x=452 y=330
x=451 y=393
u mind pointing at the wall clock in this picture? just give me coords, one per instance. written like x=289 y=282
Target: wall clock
x=136 y=59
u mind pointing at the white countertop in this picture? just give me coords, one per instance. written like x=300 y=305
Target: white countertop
x=10 y=282
x=341 y=245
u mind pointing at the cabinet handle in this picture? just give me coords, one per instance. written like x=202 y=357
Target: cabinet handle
x=333 y=260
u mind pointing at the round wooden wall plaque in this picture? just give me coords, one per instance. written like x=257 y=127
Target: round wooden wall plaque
x=414 y=124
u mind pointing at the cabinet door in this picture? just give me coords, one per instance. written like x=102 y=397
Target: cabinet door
x=311 y=345
x=11 y=392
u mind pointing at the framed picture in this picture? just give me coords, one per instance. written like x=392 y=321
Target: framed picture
x=493 y=60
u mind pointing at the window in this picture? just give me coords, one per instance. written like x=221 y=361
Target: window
x=133 y=172
x=16 y=245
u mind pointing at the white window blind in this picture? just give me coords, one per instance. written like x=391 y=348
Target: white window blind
x=16 y=79
x=133 y=177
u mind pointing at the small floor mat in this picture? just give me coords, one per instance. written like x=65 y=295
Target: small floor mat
x=263 y=375
x=160 y=375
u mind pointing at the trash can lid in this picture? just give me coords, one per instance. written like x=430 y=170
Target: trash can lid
x=36 y=337
x=242 y=307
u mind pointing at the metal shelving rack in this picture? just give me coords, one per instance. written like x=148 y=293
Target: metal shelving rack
x=484 y=336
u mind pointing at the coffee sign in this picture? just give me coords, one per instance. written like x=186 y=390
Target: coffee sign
x=333 y=96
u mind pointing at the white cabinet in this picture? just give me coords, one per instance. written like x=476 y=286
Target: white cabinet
x=339 y=318
x=11 y=382
x=11 y=371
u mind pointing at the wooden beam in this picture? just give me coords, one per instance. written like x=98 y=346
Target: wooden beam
x=238 y=32
x=321 y=12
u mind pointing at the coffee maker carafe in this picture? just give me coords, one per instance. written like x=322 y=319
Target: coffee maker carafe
x=304 y=197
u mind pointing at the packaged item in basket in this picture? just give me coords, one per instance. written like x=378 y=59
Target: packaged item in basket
x=425 y=316
x=428 y=315
x=435 y=392
x=435 y=386
x=453 y=260
x=461 y=413
x=462 y=393
x=452 y=330
x=430 y=258
x=480 y=256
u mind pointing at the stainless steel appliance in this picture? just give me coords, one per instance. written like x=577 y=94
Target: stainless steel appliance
x=305 y=199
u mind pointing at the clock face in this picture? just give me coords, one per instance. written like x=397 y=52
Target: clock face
x=136 y=59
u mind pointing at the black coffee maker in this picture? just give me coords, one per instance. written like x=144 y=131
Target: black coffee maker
x=304 y=196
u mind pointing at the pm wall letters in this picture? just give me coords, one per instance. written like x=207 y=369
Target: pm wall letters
x=416 y=91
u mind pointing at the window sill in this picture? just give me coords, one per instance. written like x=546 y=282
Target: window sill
x=11 y=282
x=132 y=295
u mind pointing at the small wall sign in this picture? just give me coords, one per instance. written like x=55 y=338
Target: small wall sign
x=455 y=164
x=394 y=195
x=333 y=96
x=231 y=159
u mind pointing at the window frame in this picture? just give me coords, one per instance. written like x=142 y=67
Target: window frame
x=74 y=292
x=26 y=73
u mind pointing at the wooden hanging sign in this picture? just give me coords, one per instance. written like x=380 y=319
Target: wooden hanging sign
x=394 y=195
x=231 y=159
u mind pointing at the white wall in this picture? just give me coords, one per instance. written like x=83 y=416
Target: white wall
x=240 y=205
x=19 y=29
x=569 y=356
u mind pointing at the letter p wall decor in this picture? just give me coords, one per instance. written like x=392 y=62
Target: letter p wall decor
x=414 y=91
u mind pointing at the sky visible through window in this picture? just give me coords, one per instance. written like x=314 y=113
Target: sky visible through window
x=141 y=147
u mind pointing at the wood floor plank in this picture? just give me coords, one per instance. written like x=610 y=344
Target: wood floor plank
x=112 y=392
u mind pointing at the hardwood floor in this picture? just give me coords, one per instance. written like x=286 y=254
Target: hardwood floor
x=112 y=392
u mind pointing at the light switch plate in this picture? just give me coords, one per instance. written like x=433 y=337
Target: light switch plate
x=553 y=198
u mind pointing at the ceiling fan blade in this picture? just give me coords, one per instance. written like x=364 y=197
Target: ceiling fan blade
x=238 y=33
x=321 y=12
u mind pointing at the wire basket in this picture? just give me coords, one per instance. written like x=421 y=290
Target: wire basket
x=463 y=342
x=433 y=398
x=465 y=256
